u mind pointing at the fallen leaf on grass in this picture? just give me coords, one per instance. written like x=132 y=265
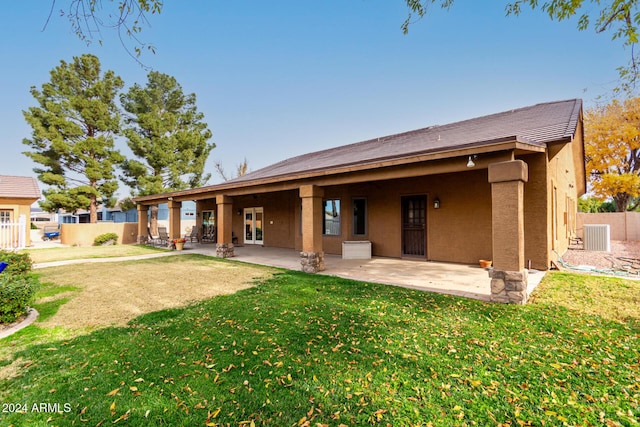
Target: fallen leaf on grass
x=122 y=417
x=379 y=414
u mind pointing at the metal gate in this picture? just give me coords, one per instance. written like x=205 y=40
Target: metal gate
x=414 y=226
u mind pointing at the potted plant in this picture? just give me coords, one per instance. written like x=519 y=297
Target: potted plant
x=178 y=244
x=485 y=263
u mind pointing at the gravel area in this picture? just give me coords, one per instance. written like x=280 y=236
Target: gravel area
x=624 y=255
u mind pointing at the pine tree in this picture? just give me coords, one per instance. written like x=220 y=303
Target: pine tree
x=168 y=137
x=73 y=136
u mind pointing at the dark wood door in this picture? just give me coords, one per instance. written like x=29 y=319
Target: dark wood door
x=414 y=226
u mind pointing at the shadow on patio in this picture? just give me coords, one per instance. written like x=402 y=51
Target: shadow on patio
x=469 y=281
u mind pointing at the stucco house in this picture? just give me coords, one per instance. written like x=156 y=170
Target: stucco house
x=17 y=194
x=502 y=187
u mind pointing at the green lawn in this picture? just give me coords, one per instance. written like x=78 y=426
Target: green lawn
x=305 y=350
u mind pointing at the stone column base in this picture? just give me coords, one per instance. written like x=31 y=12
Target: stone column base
x=312 y=262
x=142 y=240
x=224 y=250
x=509 y=287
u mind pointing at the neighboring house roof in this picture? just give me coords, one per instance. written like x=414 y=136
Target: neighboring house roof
x=19 y=187
x=536 y=125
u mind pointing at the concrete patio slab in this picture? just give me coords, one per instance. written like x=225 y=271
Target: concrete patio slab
x=469 y=281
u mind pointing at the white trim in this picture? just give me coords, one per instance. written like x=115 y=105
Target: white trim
x=251 y=235
x=13 y=235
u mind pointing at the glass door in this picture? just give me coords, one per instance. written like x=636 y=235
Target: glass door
x=253 y=226
x=258 y=227
x=208 y=232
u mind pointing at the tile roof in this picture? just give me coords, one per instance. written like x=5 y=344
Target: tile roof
x=538 y=124
x=22 y=187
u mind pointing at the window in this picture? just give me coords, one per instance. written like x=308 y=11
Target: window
x=5 y=216
x=331 y=223
x=359 y=217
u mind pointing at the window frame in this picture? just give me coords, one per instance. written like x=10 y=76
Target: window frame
x=338 y=228
x=6 y=216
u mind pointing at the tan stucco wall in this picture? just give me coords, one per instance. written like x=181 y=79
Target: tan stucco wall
x=19 y=207
x=535 y=212
x=281 y=214
x=460 y=231
x=84 y=234
x=549 y=227
x=507 y=211
x=565 y=186
x=623 y=225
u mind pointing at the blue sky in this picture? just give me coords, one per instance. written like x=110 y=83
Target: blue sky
x=279 y=78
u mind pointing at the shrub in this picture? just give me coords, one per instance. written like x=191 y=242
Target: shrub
x=106 y=239
x=16 y=295
x=19 y=263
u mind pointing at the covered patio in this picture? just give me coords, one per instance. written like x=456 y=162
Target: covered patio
x=501 y=187
x=469 y=281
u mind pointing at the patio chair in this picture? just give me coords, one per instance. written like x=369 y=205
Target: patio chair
x=195 y=234
x=163 y=236
x=149 y=239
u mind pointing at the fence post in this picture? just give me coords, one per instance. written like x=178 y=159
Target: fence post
x=22 y=232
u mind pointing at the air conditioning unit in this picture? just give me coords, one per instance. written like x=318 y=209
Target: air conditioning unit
x=358 y=249
x=597 y=237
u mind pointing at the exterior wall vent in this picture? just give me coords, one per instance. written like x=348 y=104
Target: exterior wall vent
x=597 y=237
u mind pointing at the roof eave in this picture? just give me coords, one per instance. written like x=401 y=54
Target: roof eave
x=479 y=147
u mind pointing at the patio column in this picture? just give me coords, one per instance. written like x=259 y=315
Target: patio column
x=224 y=222
x=198 y=225
x=508 y=277
x=174 y=219
x=143 y=223
x=312 y=255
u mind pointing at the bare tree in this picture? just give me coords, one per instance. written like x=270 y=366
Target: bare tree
x=241 y=169
x=127 y=18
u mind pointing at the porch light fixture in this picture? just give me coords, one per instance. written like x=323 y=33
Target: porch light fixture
x=470 y=163
x=436 y=203
x=239 y=212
